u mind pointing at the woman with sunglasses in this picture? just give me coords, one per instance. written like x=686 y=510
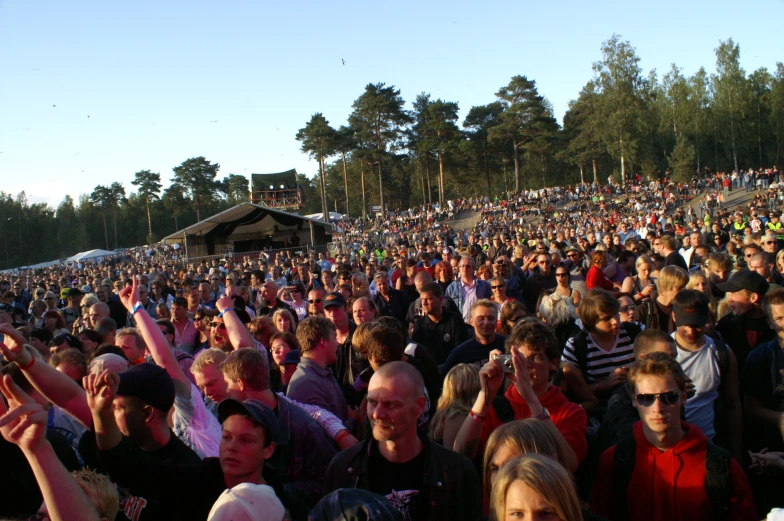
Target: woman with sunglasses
x=563 y=285
x=298 y=303
x=202 y=322
x=627 y=308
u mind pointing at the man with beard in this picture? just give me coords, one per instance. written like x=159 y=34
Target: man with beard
x=421 y=478
x=270 y=302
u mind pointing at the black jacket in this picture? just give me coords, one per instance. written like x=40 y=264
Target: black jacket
x=455 y=490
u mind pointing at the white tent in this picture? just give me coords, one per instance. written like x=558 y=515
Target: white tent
x=90 y=255
x=333 y=216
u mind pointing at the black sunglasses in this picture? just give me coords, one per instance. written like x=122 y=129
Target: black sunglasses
x=316 y=301
x=497 y=287
x=668 y=398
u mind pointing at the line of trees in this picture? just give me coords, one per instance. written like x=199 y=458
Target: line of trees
x=622 y=122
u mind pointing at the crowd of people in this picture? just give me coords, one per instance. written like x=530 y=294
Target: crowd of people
x=582 y=352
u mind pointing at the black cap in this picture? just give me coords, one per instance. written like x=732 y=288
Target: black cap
x=149 y=383
x=75 y=292
x=745 y=279
x=696 y=315
x=105 y=325
x=334 y=299
x=256 y=411
x=292 y=357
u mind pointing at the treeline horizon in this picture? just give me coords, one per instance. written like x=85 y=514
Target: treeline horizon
x=622 y=122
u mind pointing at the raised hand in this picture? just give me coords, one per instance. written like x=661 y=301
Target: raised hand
x=129 y=295
x=224 y=303
x=23 y=423
x=521 y=376
x=101 y=390
x=12 y=346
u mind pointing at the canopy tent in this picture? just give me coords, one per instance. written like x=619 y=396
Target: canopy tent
x=90 y=255
x=249 y=227
x=333 y=216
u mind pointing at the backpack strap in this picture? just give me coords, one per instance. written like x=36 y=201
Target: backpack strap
x=503 y=409
x=580 y=344
x=718 y=480
x=623 y=465
x=632 y=329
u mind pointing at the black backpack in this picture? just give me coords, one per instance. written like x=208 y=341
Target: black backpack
x=718 y=480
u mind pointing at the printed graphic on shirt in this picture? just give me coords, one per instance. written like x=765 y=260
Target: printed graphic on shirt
x=403 y=501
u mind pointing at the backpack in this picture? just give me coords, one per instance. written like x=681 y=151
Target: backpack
x=718 y=480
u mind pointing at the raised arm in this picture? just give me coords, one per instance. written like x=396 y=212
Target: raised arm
x=24 y=424
x=101 y=390
x=238 y=334
x=56 y=387
x=328 y=421
x=491 y=377
x=157 y=344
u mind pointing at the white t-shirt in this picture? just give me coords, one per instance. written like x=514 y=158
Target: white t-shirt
x=702 y=367
x=196 y=426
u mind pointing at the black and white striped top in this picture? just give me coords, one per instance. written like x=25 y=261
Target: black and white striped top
x=601 y=363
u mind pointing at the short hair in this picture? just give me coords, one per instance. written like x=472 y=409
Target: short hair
x=774 y=297
x=141 y=345
x=647 y=340
x=384 y=345
x=100 y=490
x=594 y=304
x=168 y=324
x=557 y=309
x=70 y=356
x=392 y=323
x=360 y=336
x=546 y=477
x=671 y=277
x=656 y=364
x=483 y=303
x=721 y=261
x=208 y=357
x=311 y=331
x=248 y=365
x=432 y=288
x=288 y=337
x=668 y=242
x=42 y=334
x=537 y=336
x=396 y=368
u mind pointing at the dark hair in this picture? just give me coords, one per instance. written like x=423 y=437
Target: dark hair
x=71 y=340
x=691 y=298
x=594 y=304
x=42 y=334
x=433 y=288
x=384 y=345
x=537 y=336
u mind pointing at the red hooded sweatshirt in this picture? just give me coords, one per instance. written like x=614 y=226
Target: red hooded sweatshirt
x=670 y=485
x=569 y=418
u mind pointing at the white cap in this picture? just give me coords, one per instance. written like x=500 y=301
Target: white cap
x=247 y=502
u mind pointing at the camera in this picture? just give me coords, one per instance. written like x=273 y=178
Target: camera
x=506 y=362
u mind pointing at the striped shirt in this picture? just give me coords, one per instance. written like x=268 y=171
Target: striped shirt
x=601 y=363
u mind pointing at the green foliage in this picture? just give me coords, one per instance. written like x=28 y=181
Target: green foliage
x=196 y=179
x=683 y=160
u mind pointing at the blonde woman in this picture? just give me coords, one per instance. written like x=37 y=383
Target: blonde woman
x=284 y=321
x=699 y=280
x=360 y=285
x=640 y=286
x=461 y=386
x=534 y=487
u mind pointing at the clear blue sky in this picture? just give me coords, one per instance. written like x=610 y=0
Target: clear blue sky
x=153 y=76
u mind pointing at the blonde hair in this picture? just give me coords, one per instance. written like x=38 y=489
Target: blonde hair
x=723 y=309
x=461 y=387
x=671 y=277
x=206 y=358
x=546 y=477
x=700 y=276
x=527 y=436
x=292 y=323
x=360 y=337
x=100 y=490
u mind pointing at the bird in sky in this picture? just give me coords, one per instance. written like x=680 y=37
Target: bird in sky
x=88 y=115
x=53 y=106
x=214 y=121
x=344 y=61
x=76 y=154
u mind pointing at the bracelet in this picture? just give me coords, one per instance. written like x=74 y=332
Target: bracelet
x=137 y=307
x=476 y=417
x=639 y=294
x=28 y=365
x=220 y=315
x=342 y=435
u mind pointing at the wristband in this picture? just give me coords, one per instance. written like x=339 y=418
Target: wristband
x=341 y=435
x=136 y=307
x=28 y=365
x=639 y=294
x=476 y=417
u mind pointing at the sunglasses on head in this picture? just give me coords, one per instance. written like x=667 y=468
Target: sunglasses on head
x=668 y=398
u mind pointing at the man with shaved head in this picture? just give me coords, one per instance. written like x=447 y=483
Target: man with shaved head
x=421 y=478
x=98 y=311
x=270 y=302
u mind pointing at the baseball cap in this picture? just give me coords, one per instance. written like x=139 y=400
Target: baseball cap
x=105 y=325
x=106 y=282
x=74 y=292
x=695 y=315
x=334 y=299
x=292 y=357
x=254 y=410
x=149 y=383
x=748 y=280
x=353 y=504
x=247 y=502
